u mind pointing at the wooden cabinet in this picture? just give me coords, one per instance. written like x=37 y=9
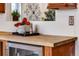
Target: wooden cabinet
x=2 y=7
x=62 y=6
x=2 y=48
x=64 y=47
x=62 y=50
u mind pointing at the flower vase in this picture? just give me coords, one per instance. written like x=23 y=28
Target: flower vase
x=27 y=28
x=21 y=29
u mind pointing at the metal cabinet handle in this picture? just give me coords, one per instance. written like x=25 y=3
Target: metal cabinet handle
x=0 y=46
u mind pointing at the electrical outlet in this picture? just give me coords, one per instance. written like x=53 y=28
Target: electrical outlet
x=71 y=20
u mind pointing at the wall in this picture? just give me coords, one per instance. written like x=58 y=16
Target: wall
x=76 y=29
x=58 y=27
x=5 y=20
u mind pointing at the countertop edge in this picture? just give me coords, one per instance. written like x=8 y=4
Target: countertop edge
x=65 y=42
x=42 y=43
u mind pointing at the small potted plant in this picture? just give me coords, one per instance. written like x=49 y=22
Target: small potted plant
x=15 y=15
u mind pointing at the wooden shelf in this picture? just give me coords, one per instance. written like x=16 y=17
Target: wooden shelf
x=2 y=7
x=62 y=6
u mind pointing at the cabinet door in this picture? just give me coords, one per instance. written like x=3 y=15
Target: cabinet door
x=62 y=50
x=2 y=7
x=3 y=45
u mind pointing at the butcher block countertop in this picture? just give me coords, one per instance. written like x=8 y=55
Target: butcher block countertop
x=42 y=40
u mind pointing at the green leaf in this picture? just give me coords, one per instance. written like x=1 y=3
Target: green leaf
x=15 y=13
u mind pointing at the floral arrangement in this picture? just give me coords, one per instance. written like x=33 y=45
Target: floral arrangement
x=24 y=22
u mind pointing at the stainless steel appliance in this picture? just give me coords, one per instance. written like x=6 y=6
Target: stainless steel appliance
x=20 y=49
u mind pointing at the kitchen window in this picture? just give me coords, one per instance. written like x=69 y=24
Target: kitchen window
x=16 y=7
